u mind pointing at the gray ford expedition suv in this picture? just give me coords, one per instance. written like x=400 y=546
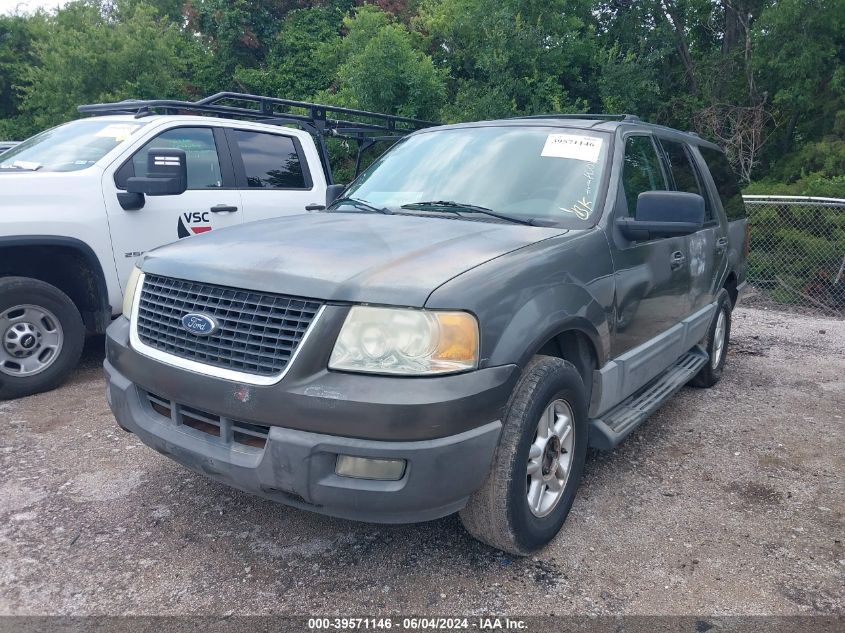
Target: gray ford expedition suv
x=482 y=304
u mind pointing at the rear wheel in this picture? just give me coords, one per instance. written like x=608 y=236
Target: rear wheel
x=41 y=336
x=538 y=463
x=716 y=343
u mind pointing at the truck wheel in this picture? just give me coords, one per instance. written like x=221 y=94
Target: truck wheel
x=716 y=343
x=538 y=463
x=41 y=336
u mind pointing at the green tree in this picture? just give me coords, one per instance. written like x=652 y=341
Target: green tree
x=18 y=36
x=294 y=68
x=509 y=57
x=93 y=52
x=380 y=67
x=800 y=60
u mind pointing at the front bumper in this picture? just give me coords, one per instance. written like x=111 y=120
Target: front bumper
x=296 y=466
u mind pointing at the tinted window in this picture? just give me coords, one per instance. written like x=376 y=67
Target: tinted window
x=683 y=172
x=200 y=155
x=726 y=183
x=270 y=161
x=641 y=171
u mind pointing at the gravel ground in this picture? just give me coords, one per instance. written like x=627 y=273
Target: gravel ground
x=728 y=501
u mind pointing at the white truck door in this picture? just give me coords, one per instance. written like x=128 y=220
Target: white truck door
x=276 y=173
x=211 y=201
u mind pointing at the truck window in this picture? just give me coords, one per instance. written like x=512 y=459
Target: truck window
x=200 y=154
x=684 y=174
x=270 y=161
x=641 y=171
x=726 y=183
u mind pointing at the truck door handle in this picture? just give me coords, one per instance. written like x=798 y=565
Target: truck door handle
x=314 y=207
x=678 y=259
x=721 y=245
x=223 y=208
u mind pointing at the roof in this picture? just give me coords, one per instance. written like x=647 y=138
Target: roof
x=603 y=123
x=181 y=118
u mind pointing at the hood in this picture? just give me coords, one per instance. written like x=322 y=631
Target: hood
x=35 y=202
x=356 y=257
x=25 y=187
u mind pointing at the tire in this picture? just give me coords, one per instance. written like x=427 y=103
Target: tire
x=711 y=373
x=36 y=316
x=498 y=513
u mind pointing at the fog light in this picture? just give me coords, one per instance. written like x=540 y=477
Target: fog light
x=367 y=468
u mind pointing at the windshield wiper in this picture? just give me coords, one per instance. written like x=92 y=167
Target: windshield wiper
x=360 y=204
x=457 y=207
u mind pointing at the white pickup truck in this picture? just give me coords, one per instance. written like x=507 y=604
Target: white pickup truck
x=81 y=201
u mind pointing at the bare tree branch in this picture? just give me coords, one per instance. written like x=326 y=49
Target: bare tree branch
x=740 y=130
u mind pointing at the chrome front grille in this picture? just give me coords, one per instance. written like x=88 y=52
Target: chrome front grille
x=258 y=332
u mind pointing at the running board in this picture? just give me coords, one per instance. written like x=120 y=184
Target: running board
x=610 y=429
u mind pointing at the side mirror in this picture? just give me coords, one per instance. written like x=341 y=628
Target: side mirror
x=333 y=193
x=167 y=174
x=664 y=214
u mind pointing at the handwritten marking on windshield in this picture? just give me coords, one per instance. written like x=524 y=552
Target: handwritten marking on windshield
x=582 y=209
x=589 y=174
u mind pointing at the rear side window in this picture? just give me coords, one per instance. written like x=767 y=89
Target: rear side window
x=684 y=174
x=726 y=183
x=641 y=170
x=200 y=156
x=270 y=161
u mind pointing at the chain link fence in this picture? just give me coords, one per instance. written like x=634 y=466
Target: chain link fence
x=797 y=252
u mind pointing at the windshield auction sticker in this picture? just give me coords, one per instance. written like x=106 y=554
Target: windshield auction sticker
x=116 y=131
x=573 y=146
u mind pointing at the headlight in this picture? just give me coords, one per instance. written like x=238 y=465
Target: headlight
x=129 y=293
x=405 y=341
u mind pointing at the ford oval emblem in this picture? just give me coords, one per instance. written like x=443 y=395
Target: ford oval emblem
x=199 y=324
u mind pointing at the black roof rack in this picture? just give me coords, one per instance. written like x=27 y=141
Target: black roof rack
x=363 y=127
x=587 y=117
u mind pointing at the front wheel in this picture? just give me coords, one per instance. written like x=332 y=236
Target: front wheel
x=538 y=463
x=41 y=336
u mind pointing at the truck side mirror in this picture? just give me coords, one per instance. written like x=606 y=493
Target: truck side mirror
x=167 y=174
x=664 y=214
x=333 y=193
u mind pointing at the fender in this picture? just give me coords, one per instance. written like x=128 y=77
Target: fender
x=558 y=284
x=553 y=311
x=95 y=320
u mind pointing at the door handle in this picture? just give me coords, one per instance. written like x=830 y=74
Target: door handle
x=223 y=208
x=677 y=260
x=314 y=207
x=721 y=245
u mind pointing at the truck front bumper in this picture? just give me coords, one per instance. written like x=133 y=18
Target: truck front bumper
x=182 y=415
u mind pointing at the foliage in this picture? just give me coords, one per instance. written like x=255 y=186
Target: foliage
x=92 y=53
x=814 y=184
x=507 y=57
x=18 y=36
x=798 y=251
x=771 y=72
x=295 y=67
x=379 y=68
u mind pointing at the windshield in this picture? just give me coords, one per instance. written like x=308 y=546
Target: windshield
x=540 y=174
x=69 y=147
